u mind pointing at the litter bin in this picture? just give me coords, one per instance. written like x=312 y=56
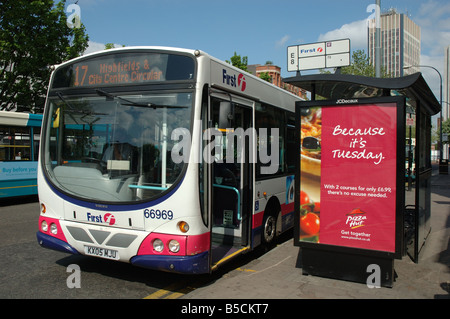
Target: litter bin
x=443 y=166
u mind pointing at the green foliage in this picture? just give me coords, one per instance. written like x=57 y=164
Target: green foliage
x=33 y=36
x=111 y=46
x=265 y=76
x=361 y=66
x=446 y=129
x=239 y=62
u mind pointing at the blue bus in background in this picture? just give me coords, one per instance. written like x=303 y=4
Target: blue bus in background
x=19 y=150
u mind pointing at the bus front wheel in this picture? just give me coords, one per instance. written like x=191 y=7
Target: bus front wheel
x=269 y=229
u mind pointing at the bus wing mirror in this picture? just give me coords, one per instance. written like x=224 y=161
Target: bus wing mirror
x=226 y=114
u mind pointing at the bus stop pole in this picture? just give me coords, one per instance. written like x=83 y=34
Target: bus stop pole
x=377 y=40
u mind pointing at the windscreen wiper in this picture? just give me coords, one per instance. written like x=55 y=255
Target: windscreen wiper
x=68 y=105
x=75 y=110
x=65 y=102
x=131 y=103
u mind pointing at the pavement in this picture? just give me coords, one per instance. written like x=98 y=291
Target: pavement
x=277 y=274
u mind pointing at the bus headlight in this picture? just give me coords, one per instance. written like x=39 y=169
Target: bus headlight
x=174 y=246
x=158 y=245
x=53 y=229
x=44 y=226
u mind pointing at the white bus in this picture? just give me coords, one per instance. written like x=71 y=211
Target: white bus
x=165 y=158
x=19 y=145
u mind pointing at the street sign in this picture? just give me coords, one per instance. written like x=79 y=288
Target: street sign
x=319 y=55
x=410 y=121
x=292 y=59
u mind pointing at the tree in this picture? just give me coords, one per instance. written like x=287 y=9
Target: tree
x=265 y=76
x=111 y=46
x=238 y=62
x=34 y=35
x=446 y=129
x=360 y=65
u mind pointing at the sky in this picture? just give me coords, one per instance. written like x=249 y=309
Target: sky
x=259 y=29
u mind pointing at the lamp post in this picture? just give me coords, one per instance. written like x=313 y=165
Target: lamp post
x=445 y=153
x=440 y=101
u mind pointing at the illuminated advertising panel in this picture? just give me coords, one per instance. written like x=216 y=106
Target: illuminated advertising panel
x=349 y=174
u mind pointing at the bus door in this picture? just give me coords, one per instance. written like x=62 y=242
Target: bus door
x=232 y=175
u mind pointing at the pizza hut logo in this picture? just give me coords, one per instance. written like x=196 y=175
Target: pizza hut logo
x=356 y=218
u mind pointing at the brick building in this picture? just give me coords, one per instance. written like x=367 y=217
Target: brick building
x=275 y=74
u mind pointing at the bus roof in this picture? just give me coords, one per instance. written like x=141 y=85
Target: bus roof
x=20 y=119
x=264 y=95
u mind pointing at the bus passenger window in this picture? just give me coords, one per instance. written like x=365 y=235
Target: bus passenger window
x=15 y=144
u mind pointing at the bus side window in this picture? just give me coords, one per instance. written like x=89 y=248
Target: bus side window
x=15 y=144
x=269 y=117
x=290 y=144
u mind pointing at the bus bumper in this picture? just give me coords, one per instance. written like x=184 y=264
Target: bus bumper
x=197 y=264
x=55 y=243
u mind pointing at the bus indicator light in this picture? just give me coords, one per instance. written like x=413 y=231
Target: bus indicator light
x=183 y=226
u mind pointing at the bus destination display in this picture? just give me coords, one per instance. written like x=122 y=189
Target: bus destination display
x=124 y=69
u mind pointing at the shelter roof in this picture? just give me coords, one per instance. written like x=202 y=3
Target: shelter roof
x=345 y=86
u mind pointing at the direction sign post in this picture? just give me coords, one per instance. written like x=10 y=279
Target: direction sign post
x=319 y=55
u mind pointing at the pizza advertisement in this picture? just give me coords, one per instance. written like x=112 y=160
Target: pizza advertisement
x=348 y=175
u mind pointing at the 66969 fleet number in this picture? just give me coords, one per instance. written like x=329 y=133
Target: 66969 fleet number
x=158 y=214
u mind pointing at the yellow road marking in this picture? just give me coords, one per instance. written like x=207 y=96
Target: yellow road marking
x=229 y=256
x=179 y=289
x=162 y=293
x=174 y=291
x=246 y=270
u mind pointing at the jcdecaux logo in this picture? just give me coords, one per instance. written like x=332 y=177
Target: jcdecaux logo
x=232 y=80
x=106 y=218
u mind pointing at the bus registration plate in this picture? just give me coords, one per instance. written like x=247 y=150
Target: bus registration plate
x=101 y=252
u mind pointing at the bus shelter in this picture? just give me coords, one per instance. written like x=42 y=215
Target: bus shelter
x=364 y=149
